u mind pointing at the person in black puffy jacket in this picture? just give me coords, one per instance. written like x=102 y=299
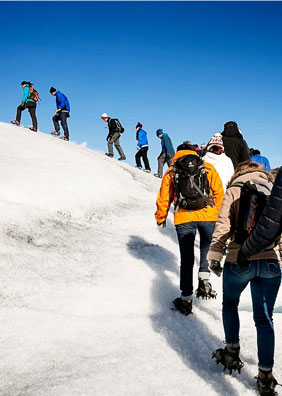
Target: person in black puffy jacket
x=269 y=226
x=235 y=146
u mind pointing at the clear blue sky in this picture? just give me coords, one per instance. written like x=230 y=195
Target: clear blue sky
x=186 y=67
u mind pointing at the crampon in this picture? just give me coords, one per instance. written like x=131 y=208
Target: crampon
x=230 y=360
x=266 y=385
x=205 y=290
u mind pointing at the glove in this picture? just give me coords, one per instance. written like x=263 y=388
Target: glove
x=57 y=111
x=242 y=260
x=138 y=148
x=215 y=267
x=162 y=224
x=22 y=105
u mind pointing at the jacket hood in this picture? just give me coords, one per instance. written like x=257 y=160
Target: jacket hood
x=231 y=130
x=181 y=153
x=257 y=176
x=214 y=158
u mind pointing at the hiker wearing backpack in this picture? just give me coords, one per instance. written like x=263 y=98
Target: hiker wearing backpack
x=243 y=202
x=259 y=159
x=142 y=148
x=196 y=190
x=167 y=153
x=29 y=101
x=115 y=130
x=235 y=146
x=62 y=113
x=215 y=155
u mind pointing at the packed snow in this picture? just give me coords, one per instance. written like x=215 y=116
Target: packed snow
x=87 y=280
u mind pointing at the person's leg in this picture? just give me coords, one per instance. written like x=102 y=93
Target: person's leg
x=110 y=144
x=186 y=237
x=206 y=229
x=56 y=123
x=63 y=118
x=20 y=109
x=138 y=158
x=169 y=159
x=161 y=161
x=264 y=292
x=118 y=147
x=145 y=158
x=235 y=280
x=32 y=109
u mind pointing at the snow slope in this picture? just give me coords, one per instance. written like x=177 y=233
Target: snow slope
x=87 y=279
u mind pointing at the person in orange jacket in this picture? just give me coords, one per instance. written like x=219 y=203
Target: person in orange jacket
x=196 y=210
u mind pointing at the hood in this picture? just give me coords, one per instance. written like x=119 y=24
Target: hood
x=256 y=176
x=214 y=158
x=231 y=130
x=181 y=153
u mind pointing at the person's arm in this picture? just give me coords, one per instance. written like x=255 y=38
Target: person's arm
x=244 y=153
x=269 y=225
x=223 y=227
x=26 y=92
x=216 y=186
x=165 y=197
x=267 y=165
x=61 y=101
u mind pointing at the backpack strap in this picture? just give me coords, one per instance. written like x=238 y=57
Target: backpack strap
x=207 y=201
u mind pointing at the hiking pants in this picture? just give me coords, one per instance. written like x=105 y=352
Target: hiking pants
x=142 y=153
x=61 y=116
x=31 y=106
x=162 y=159
x=265 y=278
x=186 y=234
x=115 y=139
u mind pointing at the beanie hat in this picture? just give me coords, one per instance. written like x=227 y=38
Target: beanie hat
x=52 y=89
x=159 y=132
x=139 y=125
x=24 y=82
x=216 y=140
x=105 y=115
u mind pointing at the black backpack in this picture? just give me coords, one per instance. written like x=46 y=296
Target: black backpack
x=118 y=126
x=253 y=198
x=191 y=183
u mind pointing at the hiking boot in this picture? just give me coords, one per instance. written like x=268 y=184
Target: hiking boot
x=56 y=133
x=122 y=158
x=205 y=289
x=156 y=175
x=15 y=122
x=33 y=129
x=147 y=171
x=266 y=383
x=183 y=306
x=138 y=167
x=229 y=358
x=109 y=155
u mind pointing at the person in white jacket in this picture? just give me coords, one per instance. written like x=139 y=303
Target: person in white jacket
x=215 y=155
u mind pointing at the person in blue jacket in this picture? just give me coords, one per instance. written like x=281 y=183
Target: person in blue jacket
x=166 y=154
x=142 y=147
x=27 y=103
x=259 y=159
x=62 y=113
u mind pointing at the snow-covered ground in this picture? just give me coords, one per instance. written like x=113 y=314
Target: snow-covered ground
x=87 y=280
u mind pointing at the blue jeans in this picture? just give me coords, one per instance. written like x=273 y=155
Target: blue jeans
x=186 y=233
x=62 y=116
x=265 y=278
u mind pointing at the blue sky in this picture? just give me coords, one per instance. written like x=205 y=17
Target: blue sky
x=186 y=67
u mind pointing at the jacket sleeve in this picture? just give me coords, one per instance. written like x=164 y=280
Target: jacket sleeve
x=244 y=153
x=25 y=94
x=216 y=187
x=61 y=101
x=223 y=227
x=269 y=226
x=165 y=197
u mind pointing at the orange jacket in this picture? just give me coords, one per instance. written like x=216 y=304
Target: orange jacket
x=167 y=194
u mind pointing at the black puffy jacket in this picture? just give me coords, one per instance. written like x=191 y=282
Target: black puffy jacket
x=269 y=226
x=234 y=145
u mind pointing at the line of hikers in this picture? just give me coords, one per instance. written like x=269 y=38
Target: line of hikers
x=238 y=215
x=29 y=101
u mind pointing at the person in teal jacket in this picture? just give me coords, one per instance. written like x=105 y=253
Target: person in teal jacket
x=166 y=154
x=27 y=103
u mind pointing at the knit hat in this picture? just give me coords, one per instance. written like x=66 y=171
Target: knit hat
x=216 y=140
x=139 y=125
x=105 y=115
x=52 y=89
x=159 y=132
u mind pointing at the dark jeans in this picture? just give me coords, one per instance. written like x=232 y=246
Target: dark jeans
x=62 y=116
x=115 y=139
x=142 y=153
x=265 y=278
x=186 y=237
x=31 y=106
x=162 y=159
